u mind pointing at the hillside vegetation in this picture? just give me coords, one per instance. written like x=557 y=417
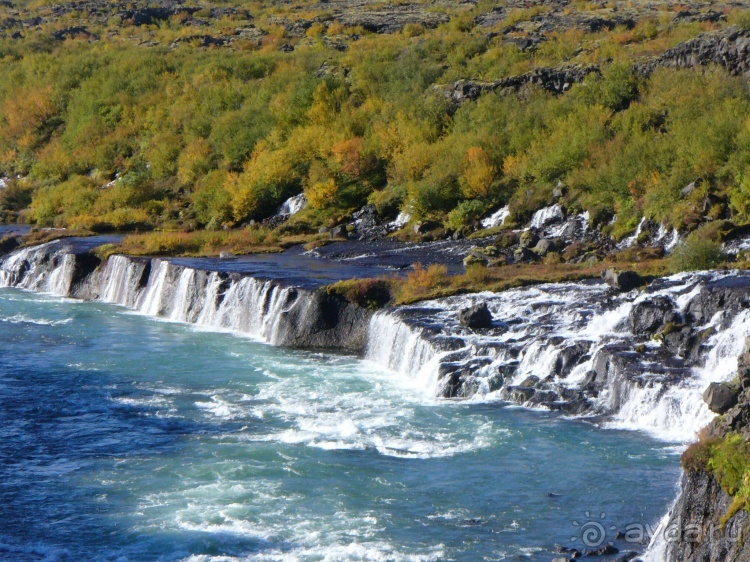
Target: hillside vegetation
x=208 y=115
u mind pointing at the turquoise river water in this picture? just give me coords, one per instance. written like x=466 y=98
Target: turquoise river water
x=127 y=438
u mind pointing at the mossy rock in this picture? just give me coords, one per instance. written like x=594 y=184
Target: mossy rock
x=474 y=260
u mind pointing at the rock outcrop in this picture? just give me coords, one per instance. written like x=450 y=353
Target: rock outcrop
x=556 y=80
x=476 y=316
x=695 y=531
x=268 y=309
x=729 y=48
x=721 y=397
x=705 y=524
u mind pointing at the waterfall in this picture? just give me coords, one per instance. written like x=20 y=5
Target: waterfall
x=397 y=346
x=567 y=335
x=497 y=218
x=677 y=411
x=121 y=280
x=157 y=287
x=564 y=334
x=547 y=215
x=40 y=269
x=293 y=205
x=182 y=294
x=633 y=238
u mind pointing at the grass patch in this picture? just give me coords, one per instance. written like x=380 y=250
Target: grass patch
x=371 y=294
x=251 y=240
x=433 y=282
x=37 y=236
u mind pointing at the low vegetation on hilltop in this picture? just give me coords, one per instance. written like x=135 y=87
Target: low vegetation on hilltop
x=208 y=116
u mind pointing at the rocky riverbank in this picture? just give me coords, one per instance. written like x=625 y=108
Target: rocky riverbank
x=710 y=520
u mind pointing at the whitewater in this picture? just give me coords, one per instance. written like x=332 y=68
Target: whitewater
x=474 y=479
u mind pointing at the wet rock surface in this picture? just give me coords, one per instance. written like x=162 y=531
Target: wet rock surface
x=476 y=316
x=577 y=348
x=697 y=519
x=721 y=397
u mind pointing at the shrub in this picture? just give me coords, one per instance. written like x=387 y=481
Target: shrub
x=479 y=173
x=53 y=206
x=371 y=294
x=16 y=196
x=387 y=202
x=420 y=281
x=697 y=252
x=322 y=194
x=697 y=456
x=211 y=201
x=465 y=214
x=195 y=161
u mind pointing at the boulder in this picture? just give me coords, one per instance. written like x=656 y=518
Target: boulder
x=649 y=316
x=477 y=316
x=523 y=254
x=544 y=246
x=529 y=239
x=530 y=381
x=720 y=397
x=730 y=295
x=367 y=224
x=688 y=189
x=606 y=550
x=471 y=259
x=570 y=356
x=622 y=280
x=339 y=232
x=226 y=255
x=8 y=244
x=743 y=366
x=485 y=252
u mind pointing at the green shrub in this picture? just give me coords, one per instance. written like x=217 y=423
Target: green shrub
x=465 y=214
x=697 y=457
x=16 y=196
x=697 y=252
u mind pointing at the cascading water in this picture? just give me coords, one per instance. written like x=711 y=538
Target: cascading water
x=395 y=345
x=293 y=205
x=497 y=218
x=633 y=238
x=37 y=269
x=158 y=288
x=547 y=215
x=567 y=335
